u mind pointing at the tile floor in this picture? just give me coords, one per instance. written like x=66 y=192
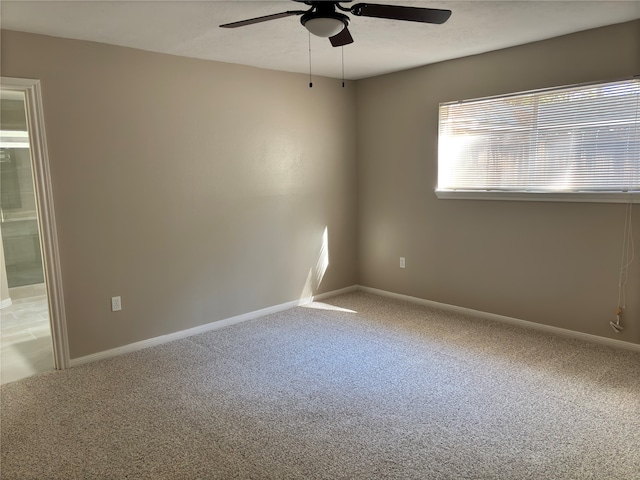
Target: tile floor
x=25 y=337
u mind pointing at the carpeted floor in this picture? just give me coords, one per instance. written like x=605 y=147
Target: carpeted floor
x=360 y=387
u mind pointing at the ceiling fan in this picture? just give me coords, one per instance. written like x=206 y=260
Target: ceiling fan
x=323 y=19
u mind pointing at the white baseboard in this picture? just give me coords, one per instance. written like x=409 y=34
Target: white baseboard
x=334 y=293
x=610 y=342
x=152 y=342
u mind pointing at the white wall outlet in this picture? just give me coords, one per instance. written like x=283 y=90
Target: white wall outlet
x=116 y=304
x=401 y=262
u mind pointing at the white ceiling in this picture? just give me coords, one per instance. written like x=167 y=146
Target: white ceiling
x=191 y=29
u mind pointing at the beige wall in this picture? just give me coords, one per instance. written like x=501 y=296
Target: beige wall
x=552 y=263
x=195 y=190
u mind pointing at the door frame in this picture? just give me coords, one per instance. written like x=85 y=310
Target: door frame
x=46 y=215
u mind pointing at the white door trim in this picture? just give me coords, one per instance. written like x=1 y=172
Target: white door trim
x=46 y=216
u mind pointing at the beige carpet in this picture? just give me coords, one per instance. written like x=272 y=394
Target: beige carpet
x=361 y=387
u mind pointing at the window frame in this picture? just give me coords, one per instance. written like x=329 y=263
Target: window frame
x=539 y=195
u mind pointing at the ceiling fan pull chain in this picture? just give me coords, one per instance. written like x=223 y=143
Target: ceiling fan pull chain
x=342 y=48
x=310 y=82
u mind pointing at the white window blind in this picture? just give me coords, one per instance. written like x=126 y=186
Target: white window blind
x=575 y=139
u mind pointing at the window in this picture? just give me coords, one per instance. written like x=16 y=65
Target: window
x=578 y=143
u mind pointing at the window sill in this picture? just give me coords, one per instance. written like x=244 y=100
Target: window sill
x=593 y=197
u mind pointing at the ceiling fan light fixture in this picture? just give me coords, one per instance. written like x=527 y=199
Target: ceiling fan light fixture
x=324 y=25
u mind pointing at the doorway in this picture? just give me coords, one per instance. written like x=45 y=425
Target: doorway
x=32 y=326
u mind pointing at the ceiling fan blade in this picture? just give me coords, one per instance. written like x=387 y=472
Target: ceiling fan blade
x=396 y=12
x=343 y=38
x=266 y=18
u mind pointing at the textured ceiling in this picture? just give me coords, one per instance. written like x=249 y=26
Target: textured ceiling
x=191 y=29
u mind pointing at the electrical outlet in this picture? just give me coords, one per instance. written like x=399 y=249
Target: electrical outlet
x=402 y=262
x=116 y=304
